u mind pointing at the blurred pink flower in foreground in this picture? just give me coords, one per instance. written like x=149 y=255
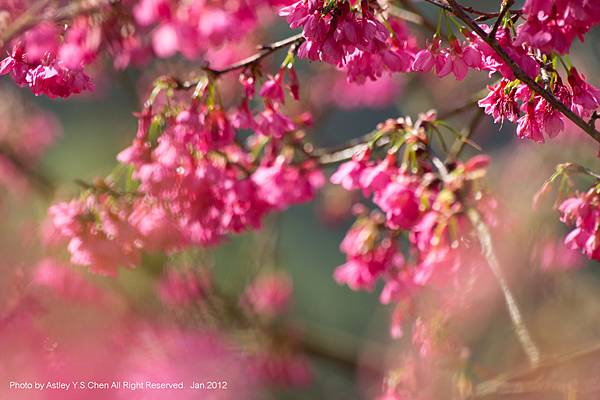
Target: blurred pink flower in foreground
x=269 y=294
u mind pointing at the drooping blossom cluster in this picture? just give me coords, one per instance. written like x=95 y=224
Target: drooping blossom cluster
x=351 y=37
x=193 y=27
x=193 y=183
x=583 y=213
x=536 y=118
x=268 y=295
x=413 y=198
x=51 y=57
x=50 y=61
x=553 y=25
x=473 y=53
x=204 y=166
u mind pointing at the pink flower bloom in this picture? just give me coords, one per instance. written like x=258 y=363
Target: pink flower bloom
x=272 y=122
x=48 y=75
x=272 y=89
x=492 y=63
x=586 y=97
x=400 y=203
x=41 y=43
x=66 y=283
x=157 y=227
x=583 y=212
x=555 y=256
x=553 y=25
x=194 y=27
x=348 y=174
x=367 y=259
x=81 y=45
x=282 y=184
x=356 y=41
x=424 y=61
x=529 y=125
x=552 y=119
x=97 y=237
x=180 y=288
x=377 y=178
x=268 y=295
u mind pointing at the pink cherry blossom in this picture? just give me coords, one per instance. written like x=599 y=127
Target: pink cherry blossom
x=582 y=211
x=529 y=125
x=268 y=295
x=180 y=288
x=499 y=104
x=586 y=97
x=553 y=25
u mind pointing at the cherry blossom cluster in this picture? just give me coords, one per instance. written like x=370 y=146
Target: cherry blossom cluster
x=583 y=213
x=50 y=65
x=51 y=56
x=192 y=183
x=535 y=117
x=553 y=25
x=213 y=156
x=416 y=198
x=193 y=27
x=351 y=37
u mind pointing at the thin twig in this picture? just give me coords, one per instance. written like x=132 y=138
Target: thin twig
x=485 y=240
x=264 y=51
x=483 y=15
x=460 y=142
x=506 y=5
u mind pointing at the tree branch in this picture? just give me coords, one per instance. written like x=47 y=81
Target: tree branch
x=263 y=52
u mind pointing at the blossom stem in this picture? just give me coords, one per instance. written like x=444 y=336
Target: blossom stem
x=506 y=5
x=485 y=240
x=457 y=10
